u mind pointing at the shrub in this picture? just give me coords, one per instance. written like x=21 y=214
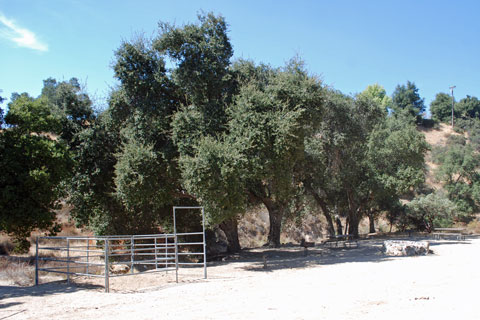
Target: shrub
x=6 y=246
x=428 y=123
x=426 y=212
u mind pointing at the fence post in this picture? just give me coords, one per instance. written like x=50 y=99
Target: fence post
x=107 y=271
x=36 y=262
x=176 y=257
x=166 y=252
x=88 y=251
x=204 y=246
x=156 y=258
x=176 y=242
x=175 y=238
x=132 y=246
x=68 y=261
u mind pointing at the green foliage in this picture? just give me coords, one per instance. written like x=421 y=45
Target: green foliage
x=126 y=178
x=473 y=131
x=256 y=151
x=325 y=153
x=396 y=155
x=188 y=129
x=31 y=115
x=92 y=185
x=468 y=107
x=140 y=177
x=32 y=166
x=143 y=76
x=360 y=160
x=215 y=176
x=377 y=94
x=270 y=121
x=426 y=212
x=267 y=122
x=202 y=54
x=69 y=103
x=441 y=107
x=458 y=169
x=465 y=110
x=405 y=99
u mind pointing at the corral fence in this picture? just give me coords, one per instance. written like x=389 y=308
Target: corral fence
x=123 y=255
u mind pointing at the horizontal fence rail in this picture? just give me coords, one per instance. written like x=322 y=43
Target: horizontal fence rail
x=116 y=256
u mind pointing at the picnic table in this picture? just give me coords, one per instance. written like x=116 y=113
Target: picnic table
x=454 y=232
x=347 y=240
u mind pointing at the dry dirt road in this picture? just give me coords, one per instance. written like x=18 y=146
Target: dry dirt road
x=358 y=283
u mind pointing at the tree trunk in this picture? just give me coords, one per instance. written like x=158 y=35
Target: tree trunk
x=275 y=213
x=371 y=219
x=323 y=206
x=230 y=228
x=353 y=225
x=328 y=217
x=338 y=222
x=353 y=215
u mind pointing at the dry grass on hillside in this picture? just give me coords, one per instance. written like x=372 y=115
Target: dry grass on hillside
x=435 y=137
x=438 y=136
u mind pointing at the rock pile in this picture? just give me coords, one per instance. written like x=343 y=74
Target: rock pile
x=405 y=248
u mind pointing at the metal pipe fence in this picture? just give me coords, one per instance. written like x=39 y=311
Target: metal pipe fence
x=116 y=256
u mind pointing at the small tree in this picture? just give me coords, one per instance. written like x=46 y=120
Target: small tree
x=406 y=100
x=429 y=211
x=32 y=164
x=468 y=107
x=441 y=107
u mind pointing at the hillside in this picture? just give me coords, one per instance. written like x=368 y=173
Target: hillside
x=436 y=137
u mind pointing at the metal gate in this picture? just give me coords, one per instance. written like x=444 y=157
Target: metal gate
x=116 y=256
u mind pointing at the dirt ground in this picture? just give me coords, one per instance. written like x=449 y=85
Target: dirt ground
x=354 y=283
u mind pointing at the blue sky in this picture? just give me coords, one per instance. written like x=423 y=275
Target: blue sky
x=349 y=44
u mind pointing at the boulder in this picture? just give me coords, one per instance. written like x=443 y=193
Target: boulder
x=216 y=243
x=405 y=248
x=119 y=268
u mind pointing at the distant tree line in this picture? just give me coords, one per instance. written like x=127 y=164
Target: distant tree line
x=188 y=125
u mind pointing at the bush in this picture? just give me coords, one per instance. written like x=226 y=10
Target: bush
x=426 y=212
x=428 y=123
x=21 y=245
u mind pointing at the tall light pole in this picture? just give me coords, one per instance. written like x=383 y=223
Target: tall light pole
x=453 y=101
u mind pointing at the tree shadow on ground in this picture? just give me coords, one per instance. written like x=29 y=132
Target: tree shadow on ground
x=9 y=304
x=295 y=257
x=50 y=288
